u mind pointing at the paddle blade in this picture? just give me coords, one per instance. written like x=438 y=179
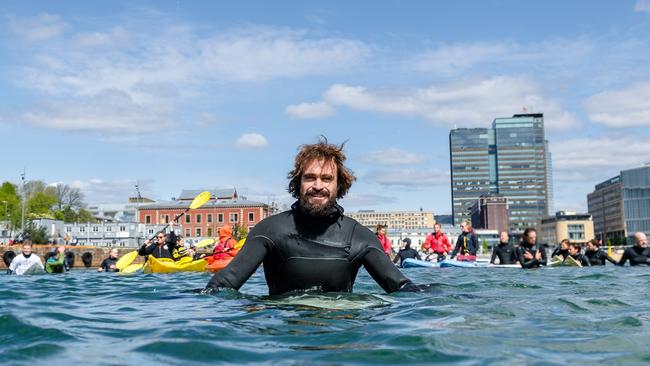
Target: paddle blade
x=240 y=244
x=200 y=200
x=204 y=243
x=126 y=260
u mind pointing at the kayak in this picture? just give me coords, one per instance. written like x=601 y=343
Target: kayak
x=413 y=263
x=166 y=265
x=464 y=264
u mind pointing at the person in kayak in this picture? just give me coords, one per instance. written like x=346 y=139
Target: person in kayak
x=437 y=243
x=597 y=256
x=574 y=252
x=383 y=239
x=225 y=245
x=313 y=246
x=505 y=251
x=163 y=247
x=467 y=243
x=108 y=264
x=24 y=261
x=529 y=254
x=406 y=252
x=562 y=249
x=639 y=254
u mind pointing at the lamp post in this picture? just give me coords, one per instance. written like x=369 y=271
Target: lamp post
x=22 y=220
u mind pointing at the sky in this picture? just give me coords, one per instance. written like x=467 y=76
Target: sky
x=174 y=95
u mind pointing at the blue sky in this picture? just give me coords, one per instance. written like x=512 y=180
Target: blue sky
x=183 y=95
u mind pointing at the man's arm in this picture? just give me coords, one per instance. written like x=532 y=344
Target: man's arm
x=244 y=264
x=457 y=248
x=522 y=260
x=624 y=258
x=378 y=265
x=494 y=254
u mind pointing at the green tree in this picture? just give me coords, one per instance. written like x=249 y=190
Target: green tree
x=38 y=235
x=40 y=203
x=239 y=232
x=11 y=210
x=85 y=216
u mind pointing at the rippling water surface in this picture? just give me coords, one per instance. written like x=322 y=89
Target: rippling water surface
x=470 y=316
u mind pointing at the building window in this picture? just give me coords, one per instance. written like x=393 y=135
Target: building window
x=209 y=231
x=122 y=228
x=209 y=219
x=147 y=219
x=198 y=232
x=95 y=229
x=150 y=231
x=233 y=217
x=68 y=229
x=576 y=232
x=251 y=217
x=187 y=218
x=187 y=233
x=220 y=217
x=198 y=218
x=109 y=228
x=82 y=229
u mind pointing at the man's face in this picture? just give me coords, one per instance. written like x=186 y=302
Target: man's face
x=531 y=238
x=573 y=250
x=161 y=238
x=27 y=249
x=436 y=228
x=590 y=247
x=113 y=253
x=641 y=240
x=504 y=237
x=318 y=184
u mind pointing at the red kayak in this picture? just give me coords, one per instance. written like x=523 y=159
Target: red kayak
x=219 y=261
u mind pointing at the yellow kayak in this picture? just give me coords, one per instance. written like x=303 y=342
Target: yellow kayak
x=166 y=265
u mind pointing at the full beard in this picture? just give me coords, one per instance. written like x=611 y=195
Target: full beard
x=317 y=210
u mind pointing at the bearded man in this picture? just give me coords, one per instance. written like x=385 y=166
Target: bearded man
x=313 y=246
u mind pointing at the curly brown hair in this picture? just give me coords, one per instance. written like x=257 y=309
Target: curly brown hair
x=328 y=152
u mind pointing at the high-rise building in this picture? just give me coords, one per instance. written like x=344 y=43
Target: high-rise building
x=636 y=199
x=605 y=204
x=509 y=159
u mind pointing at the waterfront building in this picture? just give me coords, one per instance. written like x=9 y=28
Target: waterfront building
x=578 y=228
x=636 y=199
x=105 y=234
x=224 y=207
x=605 y=204
x=397 y=220
x=490 y=212
x=118 y=212
x=509 y=159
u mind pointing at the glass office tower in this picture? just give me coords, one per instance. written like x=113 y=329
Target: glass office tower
x=508 y=159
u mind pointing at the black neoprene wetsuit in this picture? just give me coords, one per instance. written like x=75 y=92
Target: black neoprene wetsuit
x=505 y=252
x=160 y=251
x=598 y=257
x=637 y=256
x=532 y=249
x=406 y=253
x=106 y=264
x=582 y=259
x=466 y=244
x=559 y=251
x=301 y=252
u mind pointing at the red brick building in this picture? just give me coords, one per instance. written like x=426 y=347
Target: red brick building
x=224 y=207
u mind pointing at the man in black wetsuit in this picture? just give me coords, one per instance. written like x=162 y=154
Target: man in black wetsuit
x=505 y=251
x=163 y=247
x=313 y=246
x=407 y=252
x=574 y=252
x=529 y=254
x=639 y=254
x=108 y=264
x=597 y=256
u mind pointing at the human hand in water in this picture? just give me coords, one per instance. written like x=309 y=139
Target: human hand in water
x=528 y=256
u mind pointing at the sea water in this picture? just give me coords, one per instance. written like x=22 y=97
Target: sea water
x=476 y=316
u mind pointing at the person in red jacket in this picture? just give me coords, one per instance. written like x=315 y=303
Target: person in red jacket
x=225 y=244
x=436 y=243
x=383 y=239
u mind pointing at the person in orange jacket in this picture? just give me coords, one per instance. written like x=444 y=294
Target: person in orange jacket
x=437 y=243
x=225 y=244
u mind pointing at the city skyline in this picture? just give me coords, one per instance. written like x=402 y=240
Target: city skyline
x=185 y=96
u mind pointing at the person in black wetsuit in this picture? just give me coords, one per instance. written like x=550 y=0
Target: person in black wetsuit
x=163 y=247
x=313 y=246
x=639 y=254
x=467 y=243
x=574 y=252
x=529 y=254
x=407 y=252
x=505 y=251
x=597 y=256
x=108 y=264
x=562 y=249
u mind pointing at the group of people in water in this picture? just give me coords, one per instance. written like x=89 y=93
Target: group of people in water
x=528 y=253
x=315 y=247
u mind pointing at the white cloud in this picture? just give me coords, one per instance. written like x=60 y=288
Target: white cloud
x=629 y=107
x=392 y=156
x=110 y=111
x=362 y=200
x=409 y=177
x=37 y=28
x=309 y=110
x=251 y=141
x=95 y=39
x=100 y=191
x=642 y=6
x=466 y=104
